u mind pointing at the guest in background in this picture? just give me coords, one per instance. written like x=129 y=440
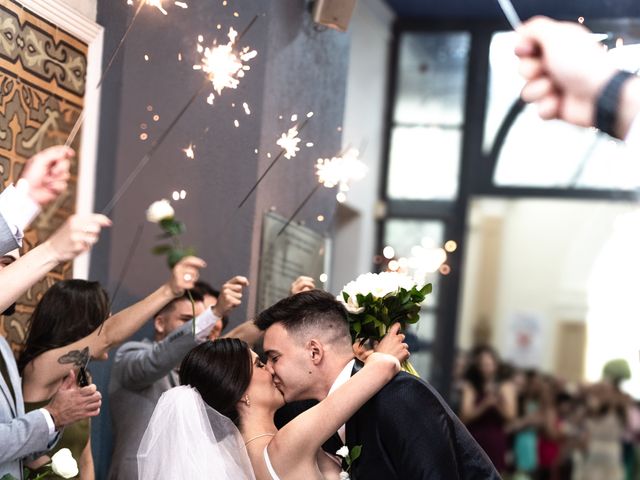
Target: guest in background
x=488 y=404
x=209 y=294
x=302 y=284
x=143 y=371
x=549 y=436
x=605 y=425
x=72 y=324
x=232 y=291
x=458 y=381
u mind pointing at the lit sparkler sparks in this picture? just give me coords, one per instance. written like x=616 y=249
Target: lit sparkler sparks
x=190 y=151
x=341 y=171
x=289 y=142
x=224 y=64
x=158 y=5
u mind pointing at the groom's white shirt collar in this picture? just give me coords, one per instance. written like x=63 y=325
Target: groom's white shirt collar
x=342 y=378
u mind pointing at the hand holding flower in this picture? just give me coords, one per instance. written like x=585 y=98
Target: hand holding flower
x=185 y=274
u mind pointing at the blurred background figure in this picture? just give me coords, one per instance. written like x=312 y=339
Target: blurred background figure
x=488 y=404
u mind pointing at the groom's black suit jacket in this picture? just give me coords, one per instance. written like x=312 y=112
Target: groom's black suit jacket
x=407 y=432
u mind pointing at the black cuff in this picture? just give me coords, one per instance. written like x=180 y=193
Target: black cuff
x=608 y=103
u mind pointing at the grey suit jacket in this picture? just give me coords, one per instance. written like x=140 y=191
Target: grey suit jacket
x=21 y=435
x=8 y=240
x=141 y=373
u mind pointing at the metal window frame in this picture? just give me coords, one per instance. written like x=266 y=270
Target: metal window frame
x=475 y=177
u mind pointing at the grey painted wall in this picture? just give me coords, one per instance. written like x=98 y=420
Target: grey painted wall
x=298 y=69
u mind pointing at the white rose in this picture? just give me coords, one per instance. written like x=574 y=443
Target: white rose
x=352 y=305
x=63 y=464
x=344 y=476
x=343 y=452
x=159 y=211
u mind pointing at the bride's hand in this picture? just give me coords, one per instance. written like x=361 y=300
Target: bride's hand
x=393 y=344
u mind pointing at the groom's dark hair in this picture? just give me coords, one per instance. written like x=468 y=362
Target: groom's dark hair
x=308 y=311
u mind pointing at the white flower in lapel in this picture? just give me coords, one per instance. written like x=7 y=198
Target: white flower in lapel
x=343 y=452
x=344 y=476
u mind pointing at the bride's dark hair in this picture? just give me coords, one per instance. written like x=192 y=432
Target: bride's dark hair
x=221 y=371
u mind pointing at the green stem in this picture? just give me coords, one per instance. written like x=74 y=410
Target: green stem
x=42 y=475
x=407 y=367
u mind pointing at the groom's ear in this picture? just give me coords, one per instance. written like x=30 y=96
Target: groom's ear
x=316 y=351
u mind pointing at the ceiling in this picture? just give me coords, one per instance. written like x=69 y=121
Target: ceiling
x=476 y=10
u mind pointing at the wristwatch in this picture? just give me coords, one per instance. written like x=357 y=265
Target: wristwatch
x=608 y=103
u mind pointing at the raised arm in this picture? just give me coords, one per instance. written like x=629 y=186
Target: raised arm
x=76 y=236
x=311 y=429
x=138 y=367
x=46 y=370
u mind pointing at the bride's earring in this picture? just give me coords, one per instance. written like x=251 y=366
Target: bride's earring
x=247 y=401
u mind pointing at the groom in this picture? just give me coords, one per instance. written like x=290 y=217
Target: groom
x=406 y=431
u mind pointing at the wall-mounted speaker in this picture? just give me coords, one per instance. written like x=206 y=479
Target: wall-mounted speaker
x=334 y=14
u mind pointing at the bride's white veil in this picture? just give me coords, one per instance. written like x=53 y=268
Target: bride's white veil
x=186 y=438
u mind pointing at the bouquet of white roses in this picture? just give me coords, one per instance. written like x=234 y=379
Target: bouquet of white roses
x=375 y=301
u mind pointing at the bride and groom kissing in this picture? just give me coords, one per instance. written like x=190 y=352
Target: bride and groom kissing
x=220 y=423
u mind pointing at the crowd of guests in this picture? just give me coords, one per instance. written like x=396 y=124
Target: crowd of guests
x=535 y=426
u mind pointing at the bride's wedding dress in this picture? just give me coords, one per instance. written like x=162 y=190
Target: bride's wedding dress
x=186 y=438
x=267 y=461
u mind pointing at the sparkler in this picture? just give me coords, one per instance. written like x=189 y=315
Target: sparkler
x=190 y=152
x=158 y=142
x=511 y=14
x=339 y=171
x=154 y=3
x=125 y=268
x=283 y=152
x=224 y=64
x=289 y=143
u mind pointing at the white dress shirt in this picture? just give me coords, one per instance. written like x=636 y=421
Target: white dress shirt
x=17 y=208
x=343 y=376
x=205 y=323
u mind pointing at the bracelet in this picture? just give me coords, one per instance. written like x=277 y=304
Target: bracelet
x=608 y=103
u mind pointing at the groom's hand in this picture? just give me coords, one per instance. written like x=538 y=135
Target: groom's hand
x=393 y=344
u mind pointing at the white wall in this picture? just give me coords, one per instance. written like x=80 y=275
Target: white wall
x=370 y=31
x=549 y=248
x=88 y=8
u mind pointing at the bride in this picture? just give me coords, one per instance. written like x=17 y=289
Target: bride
x=193 y=434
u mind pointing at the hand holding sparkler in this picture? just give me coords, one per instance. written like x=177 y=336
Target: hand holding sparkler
x=566 y=70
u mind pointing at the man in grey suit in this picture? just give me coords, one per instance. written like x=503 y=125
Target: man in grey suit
x=27 y=435
x=143 y=371
x=43 y=178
